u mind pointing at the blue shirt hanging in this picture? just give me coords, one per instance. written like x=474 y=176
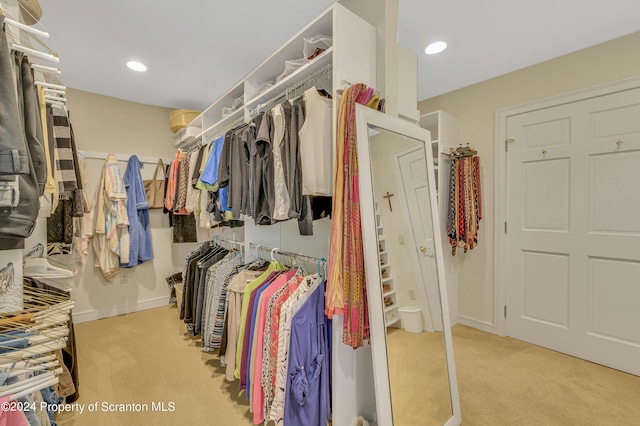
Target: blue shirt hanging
x=140 y=249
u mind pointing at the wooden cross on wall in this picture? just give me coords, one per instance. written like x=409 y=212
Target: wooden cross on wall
x=388 y=197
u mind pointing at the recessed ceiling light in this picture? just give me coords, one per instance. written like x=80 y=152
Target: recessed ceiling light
x=435 y=47
x=137 y=66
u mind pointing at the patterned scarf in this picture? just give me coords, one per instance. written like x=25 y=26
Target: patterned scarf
x=346 y=290
x=182 y=184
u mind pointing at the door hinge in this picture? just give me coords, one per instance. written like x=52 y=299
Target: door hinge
x=505 y=227
x=505 y=311
x=506 y=144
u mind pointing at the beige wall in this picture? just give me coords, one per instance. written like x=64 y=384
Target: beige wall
x=102 y=123
x=107 y=124
x=475 y=107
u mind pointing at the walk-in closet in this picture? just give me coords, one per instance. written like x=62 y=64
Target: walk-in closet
x=315 y=213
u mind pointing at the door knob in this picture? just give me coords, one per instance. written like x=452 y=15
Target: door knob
x=423 y=249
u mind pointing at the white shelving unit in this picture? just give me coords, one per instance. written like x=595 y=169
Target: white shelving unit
x=444 y=136
x=351 y=59
x=389 y=296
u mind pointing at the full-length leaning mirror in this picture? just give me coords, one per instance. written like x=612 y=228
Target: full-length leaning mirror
x=409 y=317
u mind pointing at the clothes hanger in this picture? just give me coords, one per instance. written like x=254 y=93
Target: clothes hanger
x=28 y=28
x=19 y=368
x=35 y=53
x=40 y=341
x=33 y=352
x=33 y=34
x=55 y=262
x=43 y=325
x=324 y=93
x=19 y=320
x=52 y=322
x=31 y=385
x=48 y=359
x=54 y=299
x=55 y=98
x=321 y=261
x=28 y=383
x=42 y=304
x=19 y=25
x=274 y=251
x=36 y=251
x=39 y=268
x=14 y=28
x=213 y=252
x=41 y=345
x=46 y=70
x=256 y=263
x=58 y=92
x=35 y=388
x=50 y=85
x=63 y=285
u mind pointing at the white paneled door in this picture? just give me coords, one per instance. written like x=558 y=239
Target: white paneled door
x=415 y=195
x=573 y=231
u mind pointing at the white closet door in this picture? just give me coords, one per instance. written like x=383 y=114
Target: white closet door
x=415 y=193
x=573 y=278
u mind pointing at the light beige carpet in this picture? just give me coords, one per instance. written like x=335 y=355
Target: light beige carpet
x=504 y=381
x=146 y=357
x=418 y=373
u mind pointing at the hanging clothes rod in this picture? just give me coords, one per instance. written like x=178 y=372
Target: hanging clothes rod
x=275 y=251
x=348 y=83
x=220 y=132
x=292 y=90
x=234 y=124
x=34 y=34
x=57 y=92
x=48 y=70
x=50 y=85
x=55 y=98
x=36 y=53
x=56 y=103
x=232 y=243
x=96 y=155
x=26 y=28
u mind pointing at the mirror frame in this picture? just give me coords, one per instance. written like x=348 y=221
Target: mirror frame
x=364 y=118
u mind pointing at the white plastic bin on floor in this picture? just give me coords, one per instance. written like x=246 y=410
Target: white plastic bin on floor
x=411 y=319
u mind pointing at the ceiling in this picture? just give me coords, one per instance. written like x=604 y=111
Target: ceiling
x=197 y=49
x=489 y=38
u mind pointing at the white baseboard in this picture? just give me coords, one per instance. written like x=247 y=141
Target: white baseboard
x=79 y=317
x=480 y=325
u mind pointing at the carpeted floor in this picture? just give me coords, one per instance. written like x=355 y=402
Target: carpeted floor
x=418 y=373
x=147 y=358
x=504 y=381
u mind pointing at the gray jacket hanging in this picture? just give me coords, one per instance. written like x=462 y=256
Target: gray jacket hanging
x=22 y=177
